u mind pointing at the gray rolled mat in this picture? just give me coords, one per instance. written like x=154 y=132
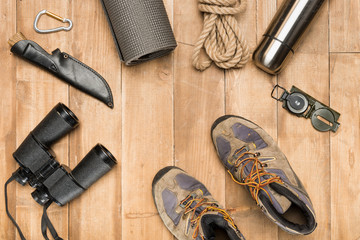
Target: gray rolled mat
x=141 y=29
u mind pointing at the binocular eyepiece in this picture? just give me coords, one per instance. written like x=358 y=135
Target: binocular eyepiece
x=39 y=168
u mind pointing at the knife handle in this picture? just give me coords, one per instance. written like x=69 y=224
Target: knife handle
x=34 y=53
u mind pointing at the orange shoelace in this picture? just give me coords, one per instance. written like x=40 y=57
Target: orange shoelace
x=253 y=180
x=211 y=206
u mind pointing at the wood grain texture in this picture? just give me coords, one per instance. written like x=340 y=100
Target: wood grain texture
x=98 y=210
x=247 y=95
x=37 y=93
x=147 y=142
x=344 y=26
x=307 y=149
x=7 y=116
x=345 y=151
x=199 y=100
x=163 y=113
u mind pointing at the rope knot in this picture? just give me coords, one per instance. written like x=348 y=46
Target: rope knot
x=221 y=37
x=222 y=7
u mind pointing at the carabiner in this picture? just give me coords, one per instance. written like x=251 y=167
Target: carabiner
x=53 y=15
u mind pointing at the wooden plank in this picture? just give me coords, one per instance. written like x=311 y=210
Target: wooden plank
x=164 y=117
x=264 y=14
x=248 y=95
x=188 y=22
x=37 y=93
x=7 y=117
x=147 y=142
x=344 y=25
x=97 y=212
x=345 y=151
x=307 y=149
x=199 y=101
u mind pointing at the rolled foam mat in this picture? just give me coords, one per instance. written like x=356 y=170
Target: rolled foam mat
x=141 y=29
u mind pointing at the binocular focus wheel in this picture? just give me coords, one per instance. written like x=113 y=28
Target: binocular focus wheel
x=297 y=103
x=320 y=125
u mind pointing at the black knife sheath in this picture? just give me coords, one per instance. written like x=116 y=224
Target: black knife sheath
x=69 y=69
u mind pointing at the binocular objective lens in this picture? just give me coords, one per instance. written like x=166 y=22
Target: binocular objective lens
x=56 y=124
x=108 y=158
x=67 y=114
x=93 y=166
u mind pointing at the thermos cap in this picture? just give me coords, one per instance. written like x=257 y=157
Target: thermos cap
x=272 y=55
x=284 y=34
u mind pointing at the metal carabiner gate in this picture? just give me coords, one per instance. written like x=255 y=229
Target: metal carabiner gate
x=53 y=15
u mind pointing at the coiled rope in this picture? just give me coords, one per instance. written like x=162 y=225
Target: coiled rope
x=221 y=37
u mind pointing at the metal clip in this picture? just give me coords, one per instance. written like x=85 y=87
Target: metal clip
x=53 y=15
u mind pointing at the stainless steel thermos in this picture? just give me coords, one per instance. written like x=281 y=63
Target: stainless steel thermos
x=284 y=33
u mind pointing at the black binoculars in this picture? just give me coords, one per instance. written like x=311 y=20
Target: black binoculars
x=38 y=166
x=55 y=182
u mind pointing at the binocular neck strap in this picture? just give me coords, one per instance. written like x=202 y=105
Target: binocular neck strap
x=46 y=224
x=7 y=209
x=45 y=221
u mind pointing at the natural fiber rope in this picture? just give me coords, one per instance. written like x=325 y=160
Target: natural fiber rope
x=221 y=37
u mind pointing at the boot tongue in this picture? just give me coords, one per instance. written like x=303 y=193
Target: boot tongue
x=214 y=221
x=281 y=203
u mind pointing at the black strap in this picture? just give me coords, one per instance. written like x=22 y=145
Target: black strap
x=46 y=224
x=45 y=221
x=7 y=210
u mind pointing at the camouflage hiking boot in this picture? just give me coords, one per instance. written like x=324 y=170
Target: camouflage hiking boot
x=188 y=209
x=254 y=160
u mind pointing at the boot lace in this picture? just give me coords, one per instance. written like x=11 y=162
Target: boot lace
x=253 y=179
x=208 y=206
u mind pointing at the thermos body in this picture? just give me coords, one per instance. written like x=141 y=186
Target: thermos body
x=284 y=34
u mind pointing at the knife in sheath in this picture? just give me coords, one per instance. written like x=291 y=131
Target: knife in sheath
x=64 y=66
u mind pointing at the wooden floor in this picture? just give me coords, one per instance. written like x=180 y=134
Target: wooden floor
x=163 y=113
